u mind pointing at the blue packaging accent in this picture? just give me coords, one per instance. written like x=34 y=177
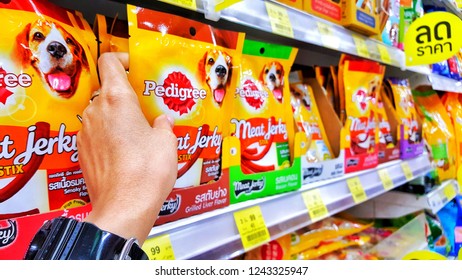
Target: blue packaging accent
x=365 y=18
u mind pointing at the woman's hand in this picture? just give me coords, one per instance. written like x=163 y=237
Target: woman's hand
x=129 y=166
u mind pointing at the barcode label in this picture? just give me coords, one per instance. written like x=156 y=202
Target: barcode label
x=256 y=235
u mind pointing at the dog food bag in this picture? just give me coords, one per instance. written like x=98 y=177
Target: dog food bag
x=47 y=75
x=438 y=132
x=362 y=83
x=405 y=109
x=451 y=101
x=184 y=68
x=308 y=120
x=262 y=111
x=385 y=136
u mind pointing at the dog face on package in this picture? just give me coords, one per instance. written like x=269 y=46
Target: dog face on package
x=55 y=55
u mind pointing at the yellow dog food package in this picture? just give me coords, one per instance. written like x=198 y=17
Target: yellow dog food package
x=438 y=132
x=405 y=110
x=262 y=113
x=47 y=75
x=451 y=101
x=184 y=68
x=361 y=85
x=308 y=120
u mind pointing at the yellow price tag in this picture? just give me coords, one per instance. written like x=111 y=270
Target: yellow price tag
x=384 y=54
x=188 y=4
x=315 y=205
x=225 y=4
x=386 y=179
x=407 y=171
x=251 y=227
x=328 y=38
x=361 y=46
x=159 y=248
x=279 y=19
x=356 y=189
x=450 y=191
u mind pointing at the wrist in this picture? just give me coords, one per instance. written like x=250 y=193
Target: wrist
x=68 y=239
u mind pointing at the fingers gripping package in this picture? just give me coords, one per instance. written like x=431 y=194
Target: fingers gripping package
x=47 y=75
x=184 y=68
x=262 y=122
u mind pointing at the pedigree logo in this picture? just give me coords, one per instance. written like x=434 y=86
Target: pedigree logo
x=176 y=91
x=251 y=94
x=11 y=80
x=8 y=234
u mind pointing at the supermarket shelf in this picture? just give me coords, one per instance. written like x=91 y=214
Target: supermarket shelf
x=214 y=235
x=396 y=204
x=437 y=82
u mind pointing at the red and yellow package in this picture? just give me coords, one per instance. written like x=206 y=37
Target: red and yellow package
x=184 y=68
x=47 y=75
x=438 y=132
x=278 y=249
x=262 y=110
x=308 y=120
x=328 y=229
x=361 y=86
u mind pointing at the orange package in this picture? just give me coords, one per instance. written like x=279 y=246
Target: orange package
x=451 y=101
x=438 y=132
x=262 y=114
x=47 y=75
x=184 y=68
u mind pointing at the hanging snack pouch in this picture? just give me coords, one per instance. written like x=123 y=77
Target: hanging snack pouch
x=47 y=75
x=361 y=81
x=308 y=121
x=454 y=108
x=438 y=132
x=262 y=111
x=409 y=132
x=87 y=33
x=112 y=34
x=387 y=134
x=184 y=69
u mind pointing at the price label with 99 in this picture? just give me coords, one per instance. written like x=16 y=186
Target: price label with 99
x=159 y=248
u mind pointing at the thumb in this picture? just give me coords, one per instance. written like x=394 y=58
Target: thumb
x=164 y=122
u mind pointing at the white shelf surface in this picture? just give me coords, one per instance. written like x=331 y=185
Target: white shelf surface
x=395 y=204
x=214 y=235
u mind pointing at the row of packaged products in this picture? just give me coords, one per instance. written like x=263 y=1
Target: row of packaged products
x=242 y=132
x=245 y=130
x=385 y=20
x=343 y=237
